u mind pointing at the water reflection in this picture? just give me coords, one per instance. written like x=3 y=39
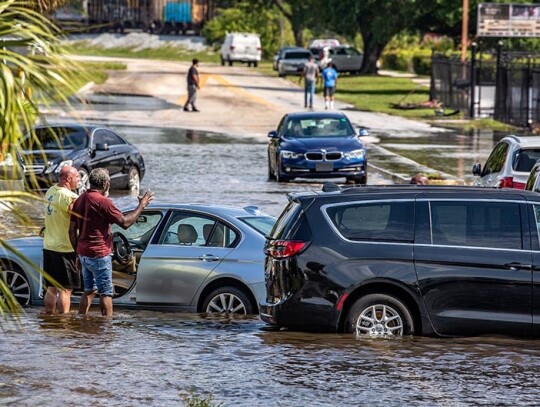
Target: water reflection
x=150 y=358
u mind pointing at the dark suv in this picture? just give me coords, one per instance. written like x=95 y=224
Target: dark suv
x=409 y=259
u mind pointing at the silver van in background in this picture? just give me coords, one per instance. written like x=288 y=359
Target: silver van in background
x=241 y=47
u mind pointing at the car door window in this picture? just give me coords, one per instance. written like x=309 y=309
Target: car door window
x=352 y=52
x=496 y=160
x=100 y=137
x=340 y=51
x=186 y=229
x=476 y=224
x=113 y=139
x=142 y=230
x=525 y=159
x=374 y=221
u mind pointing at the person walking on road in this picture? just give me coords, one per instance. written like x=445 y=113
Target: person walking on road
x=329 y=75
x=310 y=75
x=193 y=84
x=59 y=258
x=90 y=235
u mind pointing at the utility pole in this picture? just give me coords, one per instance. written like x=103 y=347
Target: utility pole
x=465 y=30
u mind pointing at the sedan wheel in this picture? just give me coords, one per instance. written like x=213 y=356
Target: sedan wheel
x=84 y=182
x=380 y=315
x=227 y=300
x=134 y=180
x=17 y=282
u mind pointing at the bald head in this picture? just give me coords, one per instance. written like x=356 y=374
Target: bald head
x=69 y=177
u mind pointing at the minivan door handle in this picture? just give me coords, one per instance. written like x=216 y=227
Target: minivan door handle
x=518 y=266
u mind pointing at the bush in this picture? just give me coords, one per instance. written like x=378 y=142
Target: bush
x=415 y=60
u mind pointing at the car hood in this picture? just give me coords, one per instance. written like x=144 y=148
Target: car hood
x=328 y=143
x=36 y=156
x=25 y=242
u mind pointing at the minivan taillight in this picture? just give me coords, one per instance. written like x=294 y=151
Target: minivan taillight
x=280 y=249
x=506 y=182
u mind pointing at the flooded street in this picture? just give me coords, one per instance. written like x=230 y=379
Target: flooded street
x=153 y=358
x=147 y=358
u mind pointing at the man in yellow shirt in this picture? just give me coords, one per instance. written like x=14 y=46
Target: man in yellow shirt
x=59 y=258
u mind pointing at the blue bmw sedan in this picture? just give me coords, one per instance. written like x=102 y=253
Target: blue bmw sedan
x=317 y=145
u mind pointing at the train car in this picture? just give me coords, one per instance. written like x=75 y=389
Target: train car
x=154 y=16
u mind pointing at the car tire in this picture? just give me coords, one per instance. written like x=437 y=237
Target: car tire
x=133 y=183
x=84 y=180
x=249 y=64
x=227 y=300
x=358 y=180
x=229 y=62
x=255 y=64
x=15 y=279
x=379 y=315
x=271 y=175
x=222 y=61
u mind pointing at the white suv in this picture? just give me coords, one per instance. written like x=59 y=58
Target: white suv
x=509 y=164
x=241 y=47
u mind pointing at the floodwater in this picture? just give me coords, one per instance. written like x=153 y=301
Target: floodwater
x=143 y=358
x=146 y=358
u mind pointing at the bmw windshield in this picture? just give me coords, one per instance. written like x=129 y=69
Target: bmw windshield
x=324 y=127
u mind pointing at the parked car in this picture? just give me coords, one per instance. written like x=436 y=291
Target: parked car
x=198 y=258
x=509 y=164
x=85 y=148
x=241 y=47
x=11 y=171
x=317 y=145
x=279 y=54
x=406 y=259
x=344 y=58
x=324 y=42
x=292 y=62
x=533 y=182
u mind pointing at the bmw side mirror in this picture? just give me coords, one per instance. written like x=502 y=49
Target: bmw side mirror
x=273 y=134
x=477 y=169
x=362 y=132
x=102 y=147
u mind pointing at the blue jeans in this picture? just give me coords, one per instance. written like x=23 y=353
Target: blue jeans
x=309 y=89
x=97 y=274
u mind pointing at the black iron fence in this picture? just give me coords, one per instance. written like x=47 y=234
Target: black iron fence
x=501 y=85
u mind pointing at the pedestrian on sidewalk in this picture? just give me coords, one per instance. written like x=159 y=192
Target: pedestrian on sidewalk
x=193 y=84
x=310 y=75
x=329 y=75
x=59 y=258
x=90 y=235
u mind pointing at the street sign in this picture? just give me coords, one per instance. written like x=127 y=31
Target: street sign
x=508 y=20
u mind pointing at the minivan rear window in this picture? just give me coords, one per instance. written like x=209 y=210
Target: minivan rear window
x=374 y=221
x=286 y=221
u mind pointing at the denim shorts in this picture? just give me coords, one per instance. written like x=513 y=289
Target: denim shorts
x=97 y=274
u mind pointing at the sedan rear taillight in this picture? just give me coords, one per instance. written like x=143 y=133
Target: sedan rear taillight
x=280 y=249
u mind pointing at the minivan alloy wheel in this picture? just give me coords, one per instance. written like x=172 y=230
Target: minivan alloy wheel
x=17 y=282
x=380 y=315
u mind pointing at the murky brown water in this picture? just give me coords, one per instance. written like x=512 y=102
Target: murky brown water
x=152 y=358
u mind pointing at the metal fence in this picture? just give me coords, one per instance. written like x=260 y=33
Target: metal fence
x=501 y=85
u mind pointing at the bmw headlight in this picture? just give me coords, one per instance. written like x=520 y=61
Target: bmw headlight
x=290 y=154
x=355 y=154
x=56 y=168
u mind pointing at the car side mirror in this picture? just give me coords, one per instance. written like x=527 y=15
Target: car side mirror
x=273 y=134
x=362 y=132
x=102 y=147
x=477 y=169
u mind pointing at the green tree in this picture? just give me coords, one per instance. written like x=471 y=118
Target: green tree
x=301 y=15
x=34 y=71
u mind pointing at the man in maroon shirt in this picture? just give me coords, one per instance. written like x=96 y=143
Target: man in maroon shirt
x=90 y=235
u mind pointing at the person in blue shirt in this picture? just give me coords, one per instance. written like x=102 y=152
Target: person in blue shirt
x=329 y=75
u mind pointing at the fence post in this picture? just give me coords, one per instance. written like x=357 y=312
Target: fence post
x=474 y=47
x=528 y=91
x=432 y=81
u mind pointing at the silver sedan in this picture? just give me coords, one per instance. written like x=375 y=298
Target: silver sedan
x=196 y=258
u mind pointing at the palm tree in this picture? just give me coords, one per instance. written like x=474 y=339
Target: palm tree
x=34 y=71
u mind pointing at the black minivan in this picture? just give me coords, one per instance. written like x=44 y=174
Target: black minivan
x=406 y=260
